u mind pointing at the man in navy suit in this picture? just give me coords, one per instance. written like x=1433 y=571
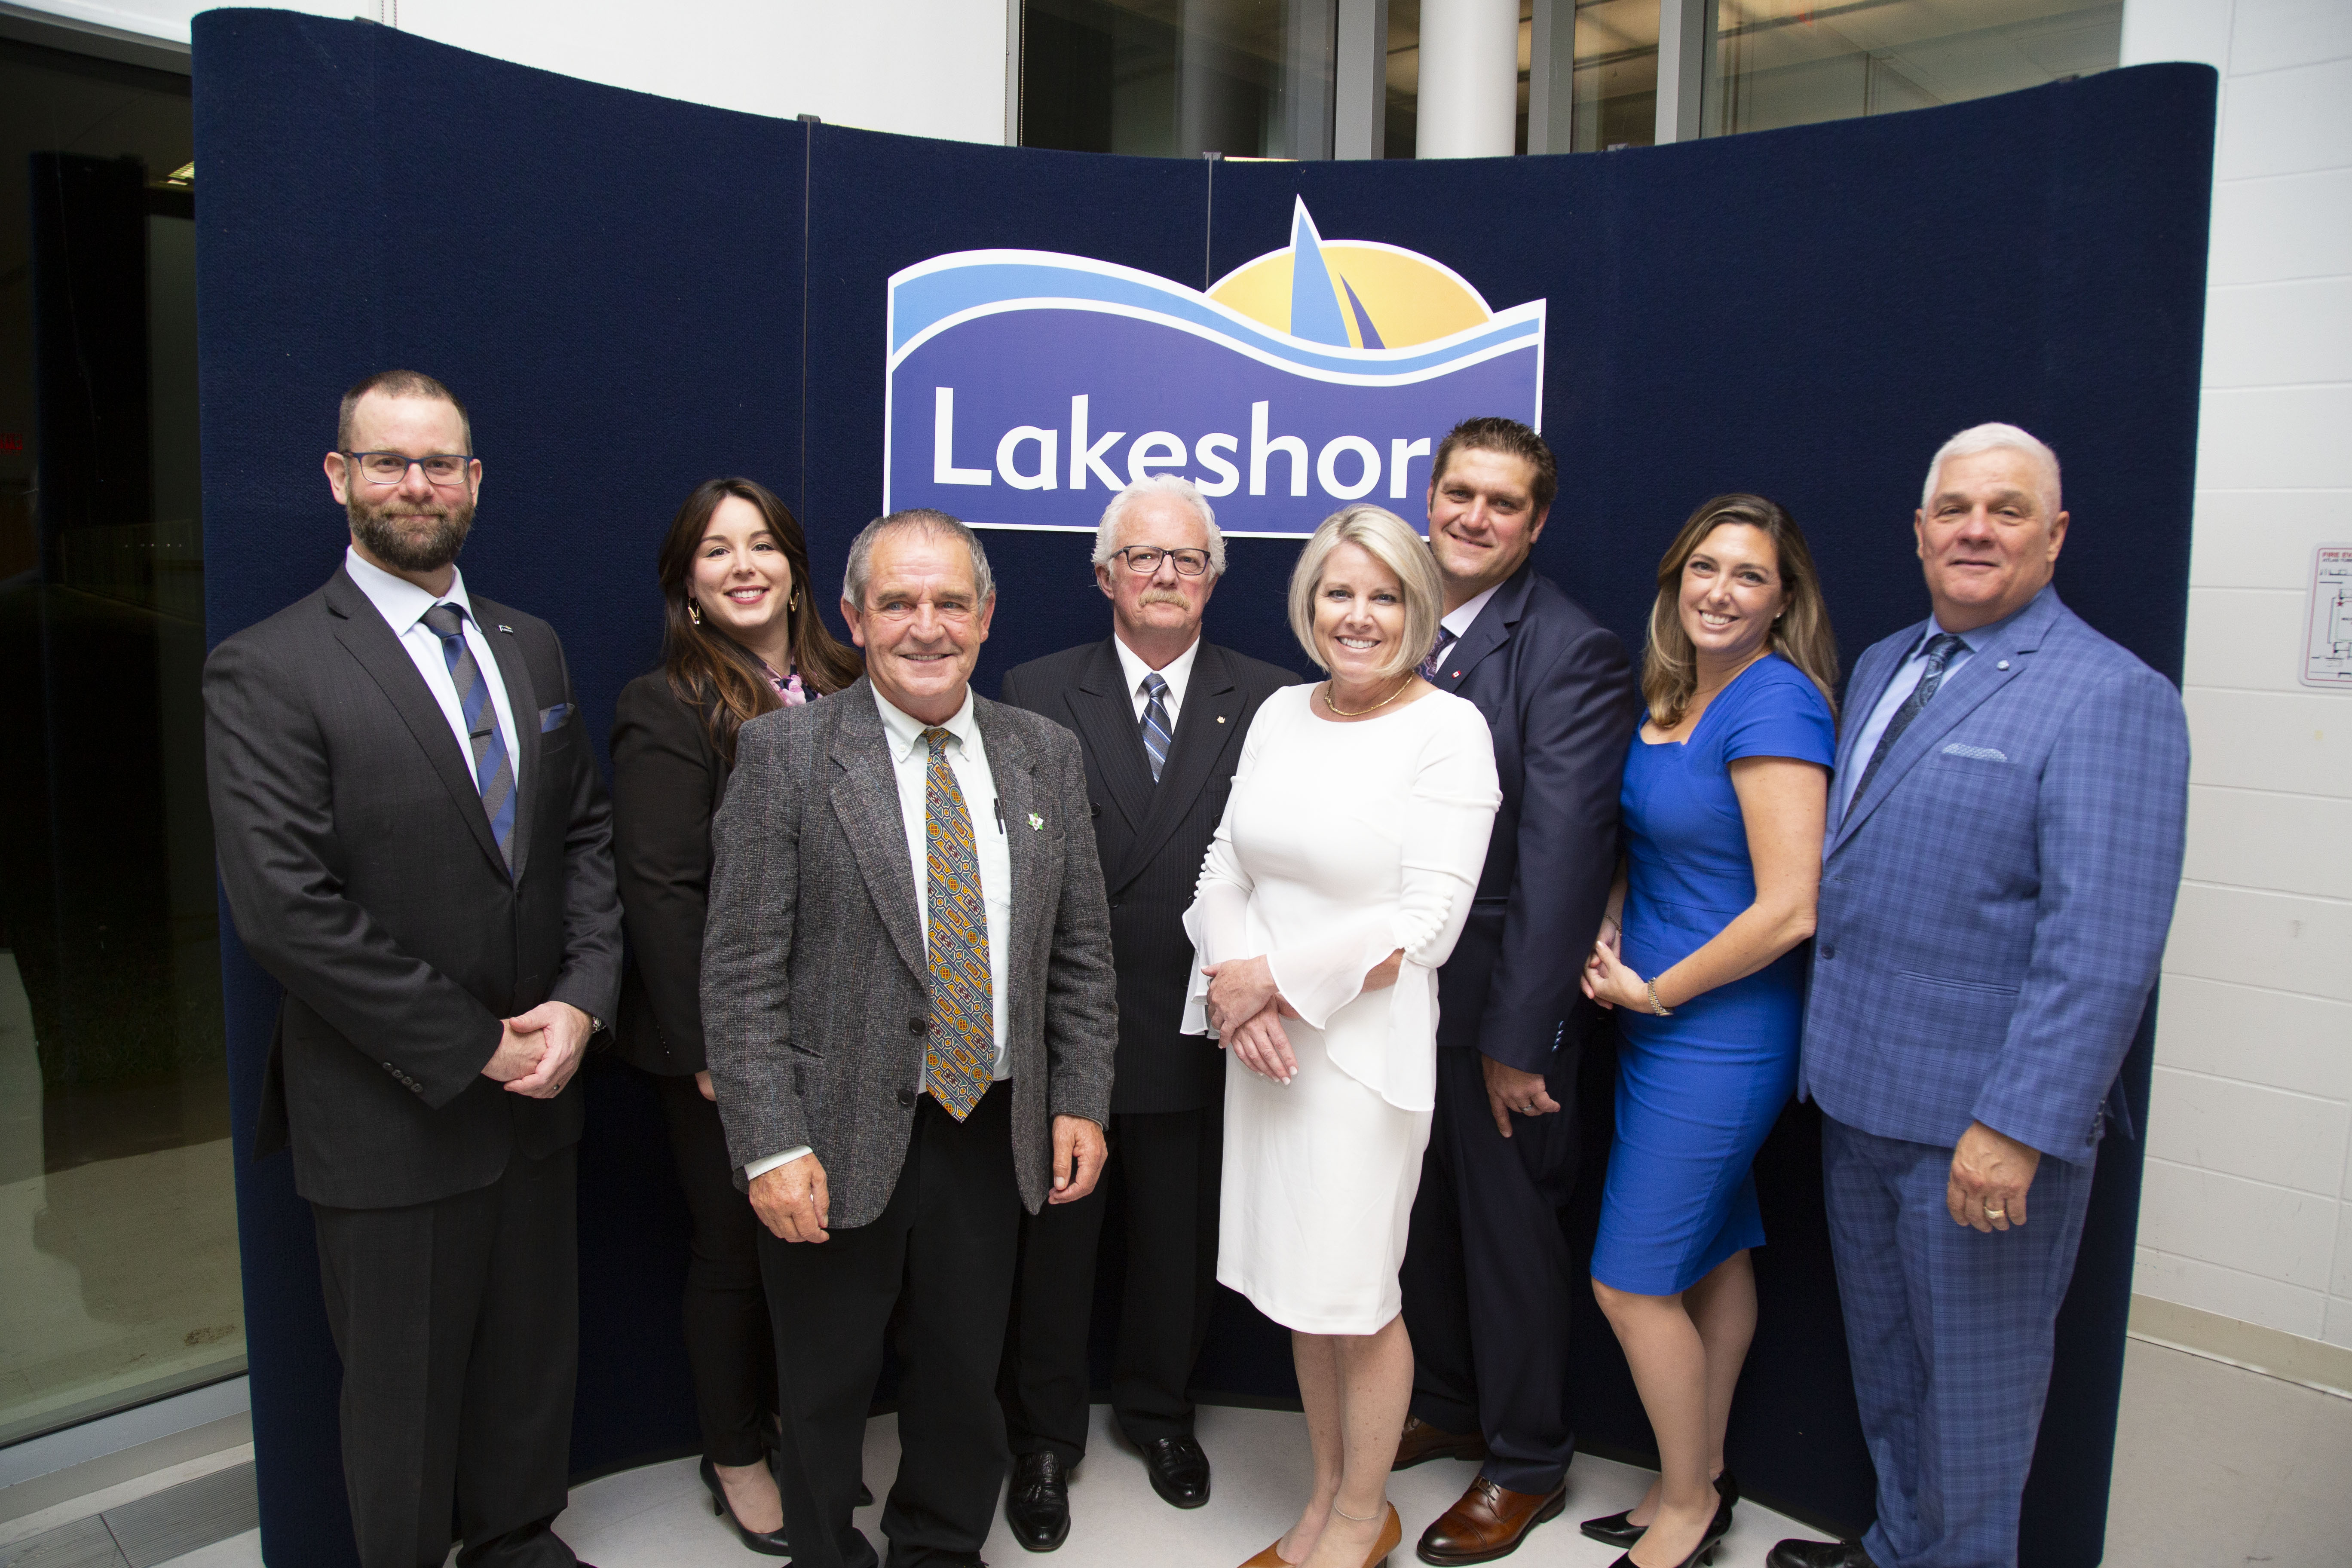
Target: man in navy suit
x=2004 y=844
x=1488 y=1278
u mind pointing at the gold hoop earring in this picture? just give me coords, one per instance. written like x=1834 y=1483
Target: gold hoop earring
x=694 y=611
x=794 y=606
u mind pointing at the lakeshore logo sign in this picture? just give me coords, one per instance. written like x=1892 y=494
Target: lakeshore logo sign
x=1027 y=387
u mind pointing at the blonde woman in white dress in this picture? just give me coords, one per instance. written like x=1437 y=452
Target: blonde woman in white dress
x=1336 y=886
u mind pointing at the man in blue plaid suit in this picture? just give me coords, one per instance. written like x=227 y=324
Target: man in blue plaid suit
x=2004 y=843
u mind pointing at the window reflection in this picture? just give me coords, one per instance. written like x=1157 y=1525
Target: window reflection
x=118 y=1233
x=1791 y=62
x=1179 y=78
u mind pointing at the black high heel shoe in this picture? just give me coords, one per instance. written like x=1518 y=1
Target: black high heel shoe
x=1613 y=1530
x=768 y=1544
x=1704 y=1552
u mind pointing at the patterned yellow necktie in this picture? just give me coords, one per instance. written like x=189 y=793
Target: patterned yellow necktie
x=961 y=1055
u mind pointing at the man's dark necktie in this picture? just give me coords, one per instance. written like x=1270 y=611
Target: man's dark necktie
x=1157 y=732
x=1939 y=651
x=493 y=769
x=1436 y=660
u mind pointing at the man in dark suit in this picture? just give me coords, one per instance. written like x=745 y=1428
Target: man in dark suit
x=906 y=995
x=414 y=841
x=1487 y=1274
x=2005 y=837
x=1161 y=715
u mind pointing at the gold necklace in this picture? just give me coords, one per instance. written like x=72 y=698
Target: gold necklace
x=1375 y=708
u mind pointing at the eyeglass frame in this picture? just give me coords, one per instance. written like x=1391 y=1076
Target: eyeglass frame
x=464 y=476
x=1125 y=554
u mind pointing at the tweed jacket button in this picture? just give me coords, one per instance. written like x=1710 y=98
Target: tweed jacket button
x=917 y=1026
x=906 y=1099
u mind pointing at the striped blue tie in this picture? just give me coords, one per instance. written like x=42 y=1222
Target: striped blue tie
x=493 y=769
x=1157 y=732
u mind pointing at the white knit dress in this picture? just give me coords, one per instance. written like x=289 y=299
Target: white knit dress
x=1341 y=843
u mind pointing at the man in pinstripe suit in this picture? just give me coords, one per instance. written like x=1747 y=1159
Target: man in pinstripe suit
x=2004 y=843
x=1160 y=714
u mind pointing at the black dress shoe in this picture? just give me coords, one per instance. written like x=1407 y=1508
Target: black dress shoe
x=1614 y=1531
x=1178 y=1470
x=1037 y=1503
x=1818 y=1554
x=770 y=1543
x=1704 y=1552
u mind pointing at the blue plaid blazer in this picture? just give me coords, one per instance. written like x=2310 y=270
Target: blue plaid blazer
x=1993 y=907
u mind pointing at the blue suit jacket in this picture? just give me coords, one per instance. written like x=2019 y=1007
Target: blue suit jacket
x=1993 y=907
x=1558 y=692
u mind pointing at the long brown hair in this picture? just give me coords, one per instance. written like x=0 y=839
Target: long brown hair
x=1800 y=635
x=708 y=667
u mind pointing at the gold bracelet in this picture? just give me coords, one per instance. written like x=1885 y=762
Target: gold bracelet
x=1660 y=1008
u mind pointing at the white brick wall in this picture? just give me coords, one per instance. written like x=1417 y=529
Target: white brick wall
x=2248 y=1208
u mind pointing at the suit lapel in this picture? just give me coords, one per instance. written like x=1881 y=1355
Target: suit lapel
x=365 y=635
x=1490 y=631
x=1988 y=670
x=1877 y=667
x=865 y=802
x=1015 y=771
x=1205 y=731
x=1106 y=721
x=522 y=702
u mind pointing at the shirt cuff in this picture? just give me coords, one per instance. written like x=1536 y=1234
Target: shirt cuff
x=759 y=1168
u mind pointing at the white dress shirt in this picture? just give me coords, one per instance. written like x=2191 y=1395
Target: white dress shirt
x=1458 y=620
x=402 y=606
x=910 y=758
x=1906 y=680
x=1177 y=672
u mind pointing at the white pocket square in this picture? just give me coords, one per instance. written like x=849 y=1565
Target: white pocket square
x=1976 y=753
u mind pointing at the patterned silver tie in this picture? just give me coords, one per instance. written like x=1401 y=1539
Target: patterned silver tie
x=1157 y=732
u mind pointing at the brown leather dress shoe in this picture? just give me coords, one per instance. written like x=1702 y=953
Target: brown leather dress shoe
x=1488 y=1522
x=1422 y=1442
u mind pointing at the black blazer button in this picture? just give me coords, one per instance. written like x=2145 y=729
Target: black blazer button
x=906 y=1099
x=917 y=1025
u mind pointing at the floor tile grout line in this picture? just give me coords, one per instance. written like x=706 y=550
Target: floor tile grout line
x=2274 y=1375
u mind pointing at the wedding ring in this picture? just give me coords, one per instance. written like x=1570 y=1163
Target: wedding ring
x=1991 y=1213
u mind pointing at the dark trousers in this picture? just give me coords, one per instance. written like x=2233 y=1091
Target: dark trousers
x=1165 y=1168
x=1488 y=1277
x=459 y=1324
x=729 y=1343
x=942 y=1251
x=1951 y=1331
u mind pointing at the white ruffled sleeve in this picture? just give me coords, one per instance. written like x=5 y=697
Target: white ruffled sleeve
x=1448 y=815
x=1218 y=918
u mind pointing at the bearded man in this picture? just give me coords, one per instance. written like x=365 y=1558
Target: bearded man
x=415 y=842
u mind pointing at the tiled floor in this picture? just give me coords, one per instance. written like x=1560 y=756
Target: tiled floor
x=2215 y=1466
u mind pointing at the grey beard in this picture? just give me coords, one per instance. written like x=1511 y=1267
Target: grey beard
x=399 y=549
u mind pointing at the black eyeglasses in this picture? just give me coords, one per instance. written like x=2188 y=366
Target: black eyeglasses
x=1144 y=560
x=447 y=469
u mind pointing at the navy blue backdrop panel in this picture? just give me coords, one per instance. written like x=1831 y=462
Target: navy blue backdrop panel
x=612 y=282
x=619 y=286
x=1808 y=314
x=878 y=203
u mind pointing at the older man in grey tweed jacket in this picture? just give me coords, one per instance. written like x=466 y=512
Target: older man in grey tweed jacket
x=910 y=1014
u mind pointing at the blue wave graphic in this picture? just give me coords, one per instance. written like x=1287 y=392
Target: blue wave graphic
x=920 y=303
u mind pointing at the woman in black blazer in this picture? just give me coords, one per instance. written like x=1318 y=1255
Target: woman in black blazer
x=740 y=638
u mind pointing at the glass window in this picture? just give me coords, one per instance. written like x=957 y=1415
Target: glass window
x=1792 y=62
x=1615 y=101
x=1179 y=78
x=118 y=1227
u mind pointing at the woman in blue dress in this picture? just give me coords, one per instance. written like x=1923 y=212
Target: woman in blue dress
x=1725 y=791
